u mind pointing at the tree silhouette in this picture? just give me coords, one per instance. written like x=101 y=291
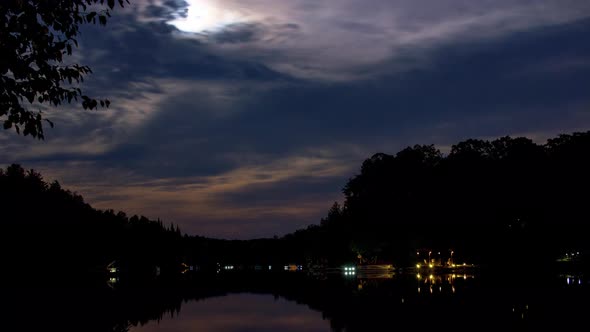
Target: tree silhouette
x=35 y=36
x=507 y=203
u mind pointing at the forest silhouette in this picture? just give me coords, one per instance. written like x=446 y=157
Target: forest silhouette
x=504 y=203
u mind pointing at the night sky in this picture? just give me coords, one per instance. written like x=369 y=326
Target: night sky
x=245 y=118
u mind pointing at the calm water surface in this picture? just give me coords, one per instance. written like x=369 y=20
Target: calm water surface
x=295 y=302
x=240 y=312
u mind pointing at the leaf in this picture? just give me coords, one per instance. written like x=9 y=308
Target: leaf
x=90 y=16
x=111 y=3
x=7 y=124
x=102 y=20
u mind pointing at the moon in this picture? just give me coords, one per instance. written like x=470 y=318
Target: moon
x=206 y=16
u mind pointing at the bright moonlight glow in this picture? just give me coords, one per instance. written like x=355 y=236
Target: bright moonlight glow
x=205 y=15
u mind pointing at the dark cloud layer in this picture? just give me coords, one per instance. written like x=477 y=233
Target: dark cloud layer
x=508 y=78
x=208 y=131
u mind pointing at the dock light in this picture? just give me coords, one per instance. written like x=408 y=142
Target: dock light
x=418 y=276
x=430 y=266
x=418 y=266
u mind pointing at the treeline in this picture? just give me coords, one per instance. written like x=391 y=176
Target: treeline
x=50 y=231
x=508 y=201
x=504 y=202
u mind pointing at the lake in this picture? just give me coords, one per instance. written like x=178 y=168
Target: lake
x=296 y=302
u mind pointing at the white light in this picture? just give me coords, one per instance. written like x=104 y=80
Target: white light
x=206 y=15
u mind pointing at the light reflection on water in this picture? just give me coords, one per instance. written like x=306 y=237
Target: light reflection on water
x=240 y=312
x=296 y=302
x=367 y=302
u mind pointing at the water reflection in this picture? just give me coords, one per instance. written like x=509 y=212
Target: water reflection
x=441 y=283
x=240 y=312
x=294 y=301
x=573 y=279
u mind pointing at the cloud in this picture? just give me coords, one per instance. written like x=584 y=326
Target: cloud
x=335 y=38
x=245 y=201
x=252 y=129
